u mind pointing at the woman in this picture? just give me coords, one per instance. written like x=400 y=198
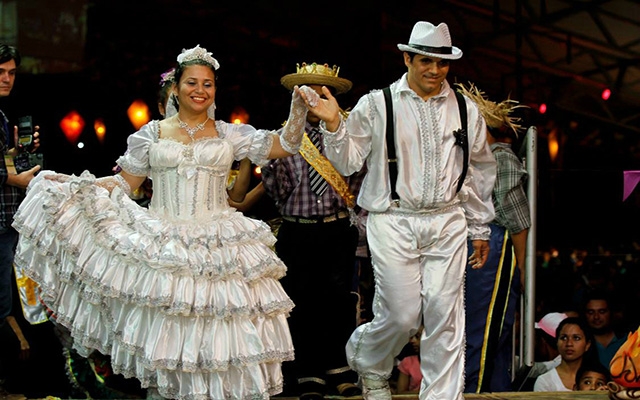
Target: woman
x=183 y=295
x=574 y=341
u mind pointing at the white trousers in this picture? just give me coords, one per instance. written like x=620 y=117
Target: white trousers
x=419 y=264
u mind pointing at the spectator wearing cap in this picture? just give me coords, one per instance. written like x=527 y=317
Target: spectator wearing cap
x=420 y=218
x=317 y=242
x=547 y=356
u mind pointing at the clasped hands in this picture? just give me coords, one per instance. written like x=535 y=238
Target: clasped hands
x=323 y=106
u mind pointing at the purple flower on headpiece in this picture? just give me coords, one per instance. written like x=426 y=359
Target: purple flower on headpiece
x=167 y=76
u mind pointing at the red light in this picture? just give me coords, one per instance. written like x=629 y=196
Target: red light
x=239 y=116
x=606 y=94
x=138 y=113
x=542 y=109
x=72 y=125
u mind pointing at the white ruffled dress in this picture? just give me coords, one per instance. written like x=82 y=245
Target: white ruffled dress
x=183 y=295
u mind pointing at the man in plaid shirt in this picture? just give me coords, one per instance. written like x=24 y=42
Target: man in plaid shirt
x=493 y=291
x=317 y=242
x=12 y=183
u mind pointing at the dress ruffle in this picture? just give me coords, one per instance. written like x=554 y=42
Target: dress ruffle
x=195 y=309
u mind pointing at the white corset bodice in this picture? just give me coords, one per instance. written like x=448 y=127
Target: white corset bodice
x=189 y=180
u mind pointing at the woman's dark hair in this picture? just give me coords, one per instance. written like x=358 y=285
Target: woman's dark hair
x=180 y=67
x=8 y=53
x=164 y=92
x=575 y=321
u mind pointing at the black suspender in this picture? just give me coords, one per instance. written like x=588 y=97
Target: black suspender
x=391 y=144
x=460 y=135
x=462 y=138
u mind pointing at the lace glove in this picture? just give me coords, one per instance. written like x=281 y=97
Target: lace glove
x=110 y=182
x=291 y=136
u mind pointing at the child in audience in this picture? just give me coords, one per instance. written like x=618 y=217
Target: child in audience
x=592 y=376
x=410 y=377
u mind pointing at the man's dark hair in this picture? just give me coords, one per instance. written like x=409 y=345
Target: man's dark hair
x=596 y=295
x=8 y=53
x=592 y=366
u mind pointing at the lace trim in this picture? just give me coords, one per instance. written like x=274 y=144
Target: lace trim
x=334 y=139
x=110 y=183
x=479 y=232
x=262 y=154
x=191 y=143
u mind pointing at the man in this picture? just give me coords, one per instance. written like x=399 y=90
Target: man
x=417 y=241
x=13 y=185
x=317 y=242
x=597 y=312
x=493 y=291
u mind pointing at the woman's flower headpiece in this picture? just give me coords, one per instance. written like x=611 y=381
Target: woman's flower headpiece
x=167 y=76
x=198 y=53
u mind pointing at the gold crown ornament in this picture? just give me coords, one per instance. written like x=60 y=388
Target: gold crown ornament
x=317 y=74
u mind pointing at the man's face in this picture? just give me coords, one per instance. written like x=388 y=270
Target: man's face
x=7 y=77
x=598 y=315
x=426 y=74
x=311 y=117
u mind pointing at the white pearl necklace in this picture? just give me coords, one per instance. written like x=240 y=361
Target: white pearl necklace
x=191 y=131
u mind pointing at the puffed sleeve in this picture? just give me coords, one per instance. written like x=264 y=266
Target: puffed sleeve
x=481 y=178
x=349 y=146
x=248 y=142
x=135 y=160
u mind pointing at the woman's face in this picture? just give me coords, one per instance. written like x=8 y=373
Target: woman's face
x=572 y=343
x=196 y=90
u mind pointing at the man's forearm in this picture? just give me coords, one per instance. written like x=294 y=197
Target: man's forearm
x=519 y=241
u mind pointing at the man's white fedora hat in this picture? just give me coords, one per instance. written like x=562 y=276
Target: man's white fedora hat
x=432 y=41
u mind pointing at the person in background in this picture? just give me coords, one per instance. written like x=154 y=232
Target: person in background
x=419 y=220
x=592 y=376
x=12 y=191
x=409 y=375
x=597 y=312
x=574 y=340
x=492 y=292
x=317 y=240
x=183 y=295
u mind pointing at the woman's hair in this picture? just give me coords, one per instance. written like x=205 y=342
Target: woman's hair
x=575 y=321
x=164 y=92
x=181 y=66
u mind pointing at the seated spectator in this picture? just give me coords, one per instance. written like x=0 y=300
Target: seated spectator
x=592 y=376
x=597 y=313
x=410 y=376
x=574 y=340
x=546 y=352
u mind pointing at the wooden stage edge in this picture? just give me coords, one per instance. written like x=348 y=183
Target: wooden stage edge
x=594 y=395
x=586 y=395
